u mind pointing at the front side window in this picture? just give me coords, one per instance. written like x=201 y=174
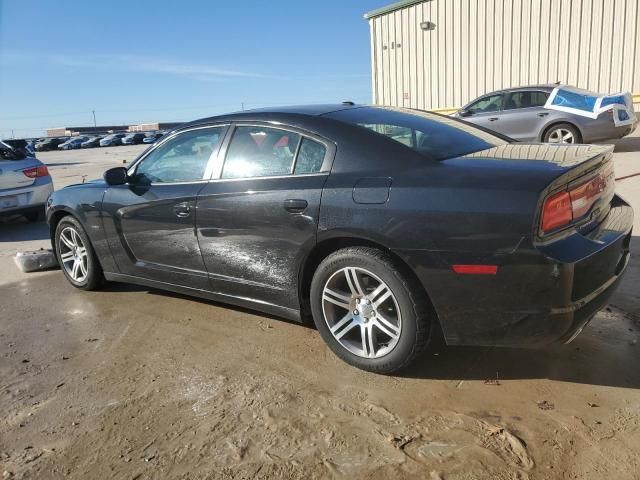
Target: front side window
x=492 y=103
x=183 y=158
x=260 y=152
x=435 y=136
x=526 y=99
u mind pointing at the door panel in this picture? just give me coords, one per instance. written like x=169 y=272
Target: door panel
x=486 y=112
x=151 y=232
x=524 y=114
x=254 y=234
x=523 y=124
x=150 y=222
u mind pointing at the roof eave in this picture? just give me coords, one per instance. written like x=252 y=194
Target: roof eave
x=392 y=8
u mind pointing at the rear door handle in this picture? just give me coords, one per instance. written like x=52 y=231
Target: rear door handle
x=295 y=205
x=543 y=114
x=493 y=119
x=182 y=210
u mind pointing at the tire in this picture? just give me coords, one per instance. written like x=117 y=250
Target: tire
x=74 y=233
x=561 y=131
x=352 y=304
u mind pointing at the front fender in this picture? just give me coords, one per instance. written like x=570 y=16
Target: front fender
x=84 y=202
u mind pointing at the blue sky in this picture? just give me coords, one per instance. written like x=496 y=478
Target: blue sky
x=142 y=61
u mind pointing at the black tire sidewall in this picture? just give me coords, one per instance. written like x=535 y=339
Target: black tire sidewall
x=378 y=264
x=94 y=272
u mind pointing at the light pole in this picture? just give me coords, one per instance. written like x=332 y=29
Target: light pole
x=94 y=118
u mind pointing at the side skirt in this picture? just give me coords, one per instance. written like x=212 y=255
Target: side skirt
x=288 y=313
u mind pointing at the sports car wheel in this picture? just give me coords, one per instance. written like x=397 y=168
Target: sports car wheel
x=367 y=311
x=76 y=256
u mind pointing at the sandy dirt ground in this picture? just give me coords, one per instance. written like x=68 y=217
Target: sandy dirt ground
x=131 y=383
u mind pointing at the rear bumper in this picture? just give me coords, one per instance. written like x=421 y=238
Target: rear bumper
x=32 y=197
x=540 y=294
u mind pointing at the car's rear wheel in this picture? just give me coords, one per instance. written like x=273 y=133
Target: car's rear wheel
x=76 y=255
x=562 y=133
x=370 y=314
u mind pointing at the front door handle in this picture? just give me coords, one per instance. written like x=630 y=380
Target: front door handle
x=182 y=210
x=295 y=205
x=493 y=119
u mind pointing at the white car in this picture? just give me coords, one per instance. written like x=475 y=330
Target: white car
x=25 y=184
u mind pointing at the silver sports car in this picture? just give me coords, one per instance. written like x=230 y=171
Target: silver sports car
x=25 y=184
x=553 y=113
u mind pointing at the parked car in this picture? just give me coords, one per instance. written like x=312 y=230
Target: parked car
x=133 y=139
x=382 y=224
x=112 y=140
x=73 y=143
x=20 y=145
x=152 y=138
x=47 y=144
x=91 y=142
x=553 y=113
x=25 y=184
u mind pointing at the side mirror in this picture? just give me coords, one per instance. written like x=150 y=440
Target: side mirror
x=116 y=176
x=464 y=113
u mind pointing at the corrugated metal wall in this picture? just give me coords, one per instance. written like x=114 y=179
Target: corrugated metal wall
x=483 y=45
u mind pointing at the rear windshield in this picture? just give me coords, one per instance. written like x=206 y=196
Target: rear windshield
x=435 y=136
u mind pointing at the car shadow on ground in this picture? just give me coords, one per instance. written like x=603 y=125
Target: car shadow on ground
x=18 y=229
x=627 y=144
x=599 y=356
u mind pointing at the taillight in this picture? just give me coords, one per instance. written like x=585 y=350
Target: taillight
x=585 y=195
x=556 y=211
x=33 y=172
x=564 y=207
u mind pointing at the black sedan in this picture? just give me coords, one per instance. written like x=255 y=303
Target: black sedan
x=383 y=225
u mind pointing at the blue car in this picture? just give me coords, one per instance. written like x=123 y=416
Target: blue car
x=152 y=138
x=73 y=143
x=111 y=140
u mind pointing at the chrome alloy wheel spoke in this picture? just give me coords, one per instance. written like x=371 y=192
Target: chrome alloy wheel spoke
x=73 y=254
x=361 y=312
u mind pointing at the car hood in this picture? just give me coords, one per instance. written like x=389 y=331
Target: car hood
x=96 y=182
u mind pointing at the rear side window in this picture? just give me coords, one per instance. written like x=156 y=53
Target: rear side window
x=260 y=152
x=310 y=157
x=525 y=99
x=435 y=136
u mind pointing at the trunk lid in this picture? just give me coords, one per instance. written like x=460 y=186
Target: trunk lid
x=11 y=175
x=580 y=188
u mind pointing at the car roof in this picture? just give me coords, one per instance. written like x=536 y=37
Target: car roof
x=292 y=110
x=542 y=86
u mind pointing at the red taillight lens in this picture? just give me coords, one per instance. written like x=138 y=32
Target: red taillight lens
x=585 y=195
x=564 y=207
x=556 y=211
x=33 y=172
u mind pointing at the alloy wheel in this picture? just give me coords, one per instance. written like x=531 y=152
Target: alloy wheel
x=361 y=312
x=561 y=135
x=73 y=254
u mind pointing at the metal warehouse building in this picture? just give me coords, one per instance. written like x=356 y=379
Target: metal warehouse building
x=440 y=54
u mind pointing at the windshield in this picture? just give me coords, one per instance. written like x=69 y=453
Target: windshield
x=434 y=136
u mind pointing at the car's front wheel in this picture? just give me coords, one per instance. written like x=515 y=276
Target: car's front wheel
x=76 y=256
x=368 y=312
